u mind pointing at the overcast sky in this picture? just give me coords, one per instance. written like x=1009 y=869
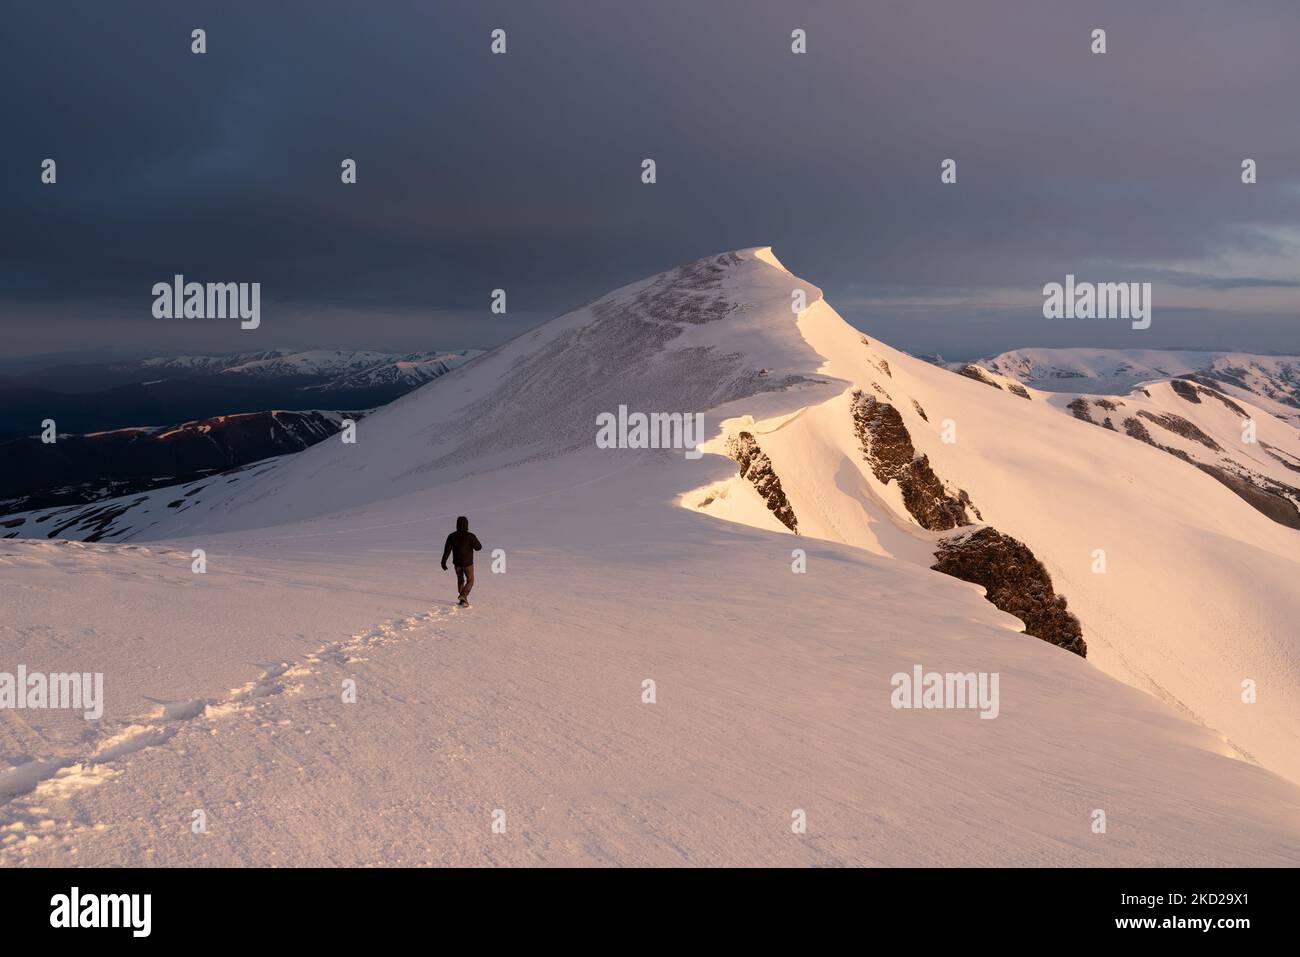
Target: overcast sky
x=522 y=171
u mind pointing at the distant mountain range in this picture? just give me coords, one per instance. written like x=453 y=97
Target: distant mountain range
x=78 y=469
x=166 y=390
x=130 y=427
x=336 y=368
x=1272 y=381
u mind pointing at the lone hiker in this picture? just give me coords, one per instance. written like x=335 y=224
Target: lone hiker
x=461 y=546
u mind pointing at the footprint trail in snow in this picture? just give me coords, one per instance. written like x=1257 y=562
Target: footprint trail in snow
x=25 y=790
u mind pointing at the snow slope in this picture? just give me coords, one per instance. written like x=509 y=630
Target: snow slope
x=772 y=695
x=1200 y=589
x=773 y=688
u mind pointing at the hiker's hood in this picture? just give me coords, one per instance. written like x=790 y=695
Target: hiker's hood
x=462 y=524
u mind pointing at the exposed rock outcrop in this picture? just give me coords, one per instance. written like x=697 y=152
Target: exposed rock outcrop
x=756 y=468
x=1192 y=387
x=1015 y=581
x=1079 y=407
x=1288 y=460
x=1185 y=390
x=1081 y=411
x=1180 y=426
x=887 y=448
x=1134 y=429
x=976 y=373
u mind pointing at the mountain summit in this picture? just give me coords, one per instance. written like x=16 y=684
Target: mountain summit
x=887 y=477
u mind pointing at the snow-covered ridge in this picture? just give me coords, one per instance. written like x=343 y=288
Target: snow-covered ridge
x=1264 y=475
x=1273 y=382
x=1183 y=589
x=1150 y=548
x=719 y=334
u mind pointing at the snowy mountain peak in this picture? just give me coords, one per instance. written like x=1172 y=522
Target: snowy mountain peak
x=860 y=512
x=1131 y=526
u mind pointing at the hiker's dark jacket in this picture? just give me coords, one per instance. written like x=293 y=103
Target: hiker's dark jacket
x=461 y=546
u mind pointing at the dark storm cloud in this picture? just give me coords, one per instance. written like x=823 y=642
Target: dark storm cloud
x=1243 y=282
x=522 y=171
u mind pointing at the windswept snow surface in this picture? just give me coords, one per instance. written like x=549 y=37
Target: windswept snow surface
x=772 y=689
